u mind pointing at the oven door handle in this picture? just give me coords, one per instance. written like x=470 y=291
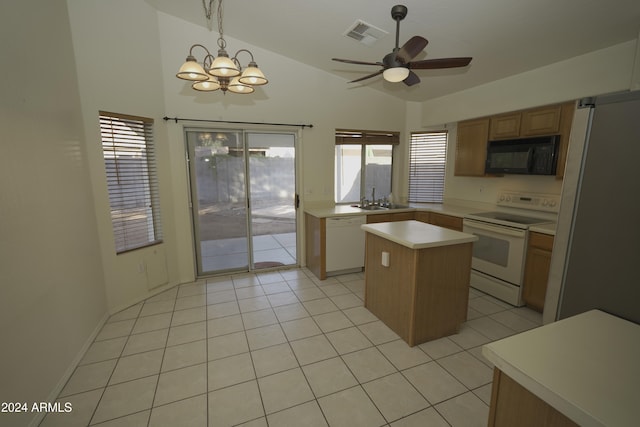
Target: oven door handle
x=498 y=230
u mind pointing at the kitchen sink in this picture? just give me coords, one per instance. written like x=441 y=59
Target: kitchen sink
x=382 y=208
x=373 y=208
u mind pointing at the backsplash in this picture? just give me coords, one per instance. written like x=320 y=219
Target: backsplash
x=486 y=189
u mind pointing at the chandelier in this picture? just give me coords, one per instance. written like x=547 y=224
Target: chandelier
x=220 y=72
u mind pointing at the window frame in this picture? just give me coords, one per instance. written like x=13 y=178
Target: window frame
x=131 y=177
x=364 y=138
x=423 y=144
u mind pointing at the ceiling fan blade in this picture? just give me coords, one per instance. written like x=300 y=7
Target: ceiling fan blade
x=411 y=48
x=367 y=77
x=350 y=61
x=431 y=64
x=411 y=79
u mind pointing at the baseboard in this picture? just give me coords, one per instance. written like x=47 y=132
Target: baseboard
x=35 y=421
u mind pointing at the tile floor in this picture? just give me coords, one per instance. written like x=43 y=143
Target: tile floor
x=281 y=348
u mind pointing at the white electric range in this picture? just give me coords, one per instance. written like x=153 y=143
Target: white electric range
x=499 y=253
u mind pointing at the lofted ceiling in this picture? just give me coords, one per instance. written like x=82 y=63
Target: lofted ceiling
x=504 y=37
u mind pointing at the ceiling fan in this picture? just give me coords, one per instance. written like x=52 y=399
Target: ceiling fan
x=397 y=65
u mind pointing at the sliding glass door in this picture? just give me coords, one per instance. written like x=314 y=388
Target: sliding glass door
x=243 y=191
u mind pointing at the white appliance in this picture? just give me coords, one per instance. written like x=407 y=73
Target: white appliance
x=497 y=266
x=345 y=244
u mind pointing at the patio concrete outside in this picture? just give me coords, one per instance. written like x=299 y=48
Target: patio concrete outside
x=223 y=236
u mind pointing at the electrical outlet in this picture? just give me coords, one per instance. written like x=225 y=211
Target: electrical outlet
x=385 y=259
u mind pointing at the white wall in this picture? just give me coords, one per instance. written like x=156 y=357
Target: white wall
x=52 y=295
x=119 y=70
x=138 y=78
x=296 y=93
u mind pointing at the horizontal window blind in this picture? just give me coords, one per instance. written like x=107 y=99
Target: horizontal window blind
x=130 y=163
x=366 y=137
x=427 y=158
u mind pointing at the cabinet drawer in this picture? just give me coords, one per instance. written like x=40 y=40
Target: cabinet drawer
x=541 y=241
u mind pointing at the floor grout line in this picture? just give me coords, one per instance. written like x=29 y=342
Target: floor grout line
x=295 y=284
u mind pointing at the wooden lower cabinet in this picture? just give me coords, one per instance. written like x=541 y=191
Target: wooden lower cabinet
x=315 y=239
x=536 y=270
x=446 y=221
x=390 y=217
x=422 y=216
x=423 y=294
x=513 y=405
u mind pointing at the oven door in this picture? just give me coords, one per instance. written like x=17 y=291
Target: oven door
x=499 y=250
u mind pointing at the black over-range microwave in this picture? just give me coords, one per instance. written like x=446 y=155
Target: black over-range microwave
x=528 y=156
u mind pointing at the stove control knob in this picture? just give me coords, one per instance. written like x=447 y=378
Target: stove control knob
x=502 y=197
x=545 y=202
x=508 y=198
x=552 y=203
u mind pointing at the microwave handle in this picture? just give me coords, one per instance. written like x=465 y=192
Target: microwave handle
x=530 y=158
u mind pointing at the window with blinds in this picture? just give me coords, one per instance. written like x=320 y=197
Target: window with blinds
x=130 y=163
x=427 y=157
x=363 y=164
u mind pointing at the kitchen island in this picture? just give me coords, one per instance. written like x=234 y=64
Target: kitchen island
x=417 y=278
x=582 y=370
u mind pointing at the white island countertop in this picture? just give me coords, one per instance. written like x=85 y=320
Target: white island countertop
x=418 y=235
x=586 y=366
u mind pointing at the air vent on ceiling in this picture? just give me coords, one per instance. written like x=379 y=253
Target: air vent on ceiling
x=364 y=33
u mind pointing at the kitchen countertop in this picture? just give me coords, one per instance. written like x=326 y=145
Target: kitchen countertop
x=418 y=235
x=549 y=228
x=344 y=210
x=586 y=367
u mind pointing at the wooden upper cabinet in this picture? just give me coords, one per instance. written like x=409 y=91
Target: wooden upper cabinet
x=505 y=126
x=541 y=121
x=471 y=147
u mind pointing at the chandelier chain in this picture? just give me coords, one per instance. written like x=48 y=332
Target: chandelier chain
x=221 y=41
x=208 y=9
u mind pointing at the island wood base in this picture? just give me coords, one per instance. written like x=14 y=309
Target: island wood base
x=514 y=405
x=423 y=294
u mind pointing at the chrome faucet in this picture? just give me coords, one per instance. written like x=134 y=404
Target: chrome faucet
x=373 y=195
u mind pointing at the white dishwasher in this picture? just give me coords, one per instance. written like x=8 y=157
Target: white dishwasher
x=345 y=243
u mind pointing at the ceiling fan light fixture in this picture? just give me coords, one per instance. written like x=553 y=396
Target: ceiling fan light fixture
x=395 y=74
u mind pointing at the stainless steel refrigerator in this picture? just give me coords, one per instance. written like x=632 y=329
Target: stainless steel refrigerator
x=596 y=258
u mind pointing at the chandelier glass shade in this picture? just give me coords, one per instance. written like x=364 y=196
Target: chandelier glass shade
x=221 y=72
